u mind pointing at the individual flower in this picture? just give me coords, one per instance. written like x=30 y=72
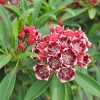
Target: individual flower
x=66 y=74
x=68 y=57
x=42 y=71
x=54 y=62
x=13 y=2
x=83 y=60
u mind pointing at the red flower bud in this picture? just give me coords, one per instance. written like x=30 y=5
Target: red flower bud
x=21 y=46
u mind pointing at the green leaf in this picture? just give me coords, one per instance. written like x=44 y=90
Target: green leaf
x=88 y=83
x=7 y=85
x=15 y=28
x=93 y=29
x=6 y=19
x=43 y=18
x=64 y=3
x=32 y=75
x=20 y=93
x=26 y=54
x=89 y=96
x=14 y=8
x=57 y=90
x=70 y=11
x=2 y=42
x=45 y=29
x=24 y=5
x=68 y=92
x=36 y=5
x=29 y=63
x=69 y=15
x=26 y=13
x=92 y=12
x=37 y=89
x=4 y=59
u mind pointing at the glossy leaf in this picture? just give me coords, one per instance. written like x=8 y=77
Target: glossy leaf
x=29 y=63
x=77 y=12
x=14 y=8
x=26 y=54
x=57 y=90
x=7 y=85
x=37 y=89
x=92 y=13
x=93 y=29
x=26 y=13
x=24 y=5
x=2 y=42
x=6 y=19
x=4 y=59
x=15 y=29
x=43 y=18
x=68 y=92
x=32 y=76
x=36 y=5
x=88 y=83
x=20 y=93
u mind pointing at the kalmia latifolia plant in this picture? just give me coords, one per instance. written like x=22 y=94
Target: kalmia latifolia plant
x=49 y=49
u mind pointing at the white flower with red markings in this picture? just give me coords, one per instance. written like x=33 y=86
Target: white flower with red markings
x=66 y=74
x=83 y=60
x=42 y=71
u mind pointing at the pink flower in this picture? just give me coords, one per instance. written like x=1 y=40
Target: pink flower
x=68 y=57
x=14 y=2
x=79 y=45
x=66 y=74
x=21 y=46
x=54 y=63
x=83 y=60
x=42 y=71
x=53 y=48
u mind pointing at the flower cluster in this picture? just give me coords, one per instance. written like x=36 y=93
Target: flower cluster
x=28 y=35
x=59 y=52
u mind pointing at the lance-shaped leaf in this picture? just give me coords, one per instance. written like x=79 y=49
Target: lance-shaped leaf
x=36 y=5
x=7 y=85
x=37 y=89
x=57 y=90
x=4 y=59
x=88 y=83
x=68 y=92
x=26 y=54
x=15 y=9
x=6 y=19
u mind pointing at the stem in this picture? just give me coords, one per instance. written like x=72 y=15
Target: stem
x=17 y=64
